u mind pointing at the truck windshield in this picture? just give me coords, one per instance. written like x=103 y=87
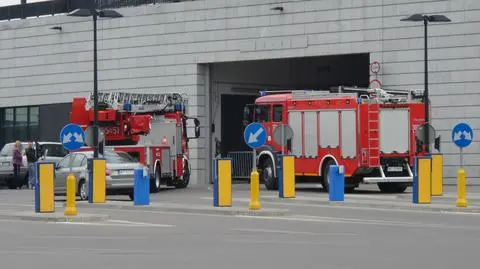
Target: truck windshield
x=262 y=113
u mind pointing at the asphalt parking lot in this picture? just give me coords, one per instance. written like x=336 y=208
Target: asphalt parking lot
x=311 y=234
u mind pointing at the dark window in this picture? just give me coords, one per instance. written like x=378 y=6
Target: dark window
x=21 y=123
x=277 y=113
x=262 y=113
x=54 y=150
x=34 y=123
x=8 y=125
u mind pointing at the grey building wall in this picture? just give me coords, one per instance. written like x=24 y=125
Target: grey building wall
x=157 y=48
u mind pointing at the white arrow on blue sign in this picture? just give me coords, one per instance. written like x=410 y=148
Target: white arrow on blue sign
x=72 y=137
x=462 y=135
x=255 y=135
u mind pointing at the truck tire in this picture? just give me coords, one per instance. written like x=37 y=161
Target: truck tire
x=155 y=181
x=392 y=187
x=267 y=175
x=183 y=183
x=325 y=181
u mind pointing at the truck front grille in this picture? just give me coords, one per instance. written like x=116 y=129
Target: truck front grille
x=394 y=166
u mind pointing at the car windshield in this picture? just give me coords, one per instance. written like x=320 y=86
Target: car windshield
x=113 y=157
x=126 y=156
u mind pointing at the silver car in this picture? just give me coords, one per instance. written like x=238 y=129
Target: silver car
x=48 y=151
x=119 y=175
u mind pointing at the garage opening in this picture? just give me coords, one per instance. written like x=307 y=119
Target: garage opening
x=233 y=85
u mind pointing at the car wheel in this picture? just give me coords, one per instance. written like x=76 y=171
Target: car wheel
x=130 y=195
x=82 y=190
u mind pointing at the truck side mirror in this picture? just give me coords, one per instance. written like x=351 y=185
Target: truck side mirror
x=437 y=143
x=197 y=128
x=193 y=128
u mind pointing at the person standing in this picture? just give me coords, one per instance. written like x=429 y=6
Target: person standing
x=17 y=161
x=31 y=160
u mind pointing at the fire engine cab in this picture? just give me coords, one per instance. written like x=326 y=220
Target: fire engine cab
x=150 y=127
x=371 y=132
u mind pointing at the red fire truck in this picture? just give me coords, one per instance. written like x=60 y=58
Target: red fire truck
x=150 y=127
x=371 y=132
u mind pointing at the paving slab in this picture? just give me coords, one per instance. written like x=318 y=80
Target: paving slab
x=51 y=217
x=184 y=208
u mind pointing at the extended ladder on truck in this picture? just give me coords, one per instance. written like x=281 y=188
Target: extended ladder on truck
x=141 y=102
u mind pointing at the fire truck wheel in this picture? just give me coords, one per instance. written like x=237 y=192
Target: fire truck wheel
x=183 y=183
x=155 y=181
x=392 y=187
x=326 y=167
x=267 y=175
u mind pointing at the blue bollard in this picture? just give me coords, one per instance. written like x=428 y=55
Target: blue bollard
x=337 y=183
x=141 y=188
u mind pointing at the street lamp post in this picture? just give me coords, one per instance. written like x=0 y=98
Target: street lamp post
x=102 y=14
x=426 y=19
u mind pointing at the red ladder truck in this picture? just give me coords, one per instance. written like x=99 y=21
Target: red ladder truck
x=150 y=127
x=371 y=132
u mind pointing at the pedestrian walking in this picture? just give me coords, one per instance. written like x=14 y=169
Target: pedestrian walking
x=32 y=159
x=17 y=161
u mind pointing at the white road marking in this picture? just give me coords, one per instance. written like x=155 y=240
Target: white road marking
x=117 y=223
x=301 y=218
x=291 y=232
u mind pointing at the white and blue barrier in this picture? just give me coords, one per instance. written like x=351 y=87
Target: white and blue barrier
x=336 y=180
x=141 y=188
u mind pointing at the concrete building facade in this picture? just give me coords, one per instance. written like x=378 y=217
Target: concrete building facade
x=190 y=47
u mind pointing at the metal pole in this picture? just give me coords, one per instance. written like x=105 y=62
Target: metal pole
x=426 y=107
x=254 y=159
x=95 y=86
x=461 y=157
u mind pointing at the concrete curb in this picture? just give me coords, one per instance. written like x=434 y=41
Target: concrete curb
x=52 y=217
x=180 y=208
x=433 y=207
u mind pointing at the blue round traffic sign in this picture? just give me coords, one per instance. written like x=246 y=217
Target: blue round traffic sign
x=462 y=135
x=72 y=137
x=255 y=135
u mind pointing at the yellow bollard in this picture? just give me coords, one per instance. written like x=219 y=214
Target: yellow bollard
x=70 y=209
x=254 y=190
x=461 y=189
x=437 y=175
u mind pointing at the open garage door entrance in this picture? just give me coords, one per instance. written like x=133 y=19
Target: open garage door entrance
x=236 y=84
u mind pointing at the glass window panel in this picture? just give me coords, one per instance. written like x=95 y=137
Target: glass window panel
x=277 y=113
x=8 y=121
x=34 y=116
x=21 y=133
x=8 y=124
x=21 y=116
x=34 y=133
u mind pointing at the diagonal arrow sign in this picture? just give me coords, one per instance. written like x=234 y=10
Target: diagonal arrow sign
x=253 y=136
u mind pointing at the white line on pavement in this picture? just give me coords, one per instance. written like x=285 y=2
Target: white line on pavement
x=301 y=218
x=291 y=232
x=117 y=223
